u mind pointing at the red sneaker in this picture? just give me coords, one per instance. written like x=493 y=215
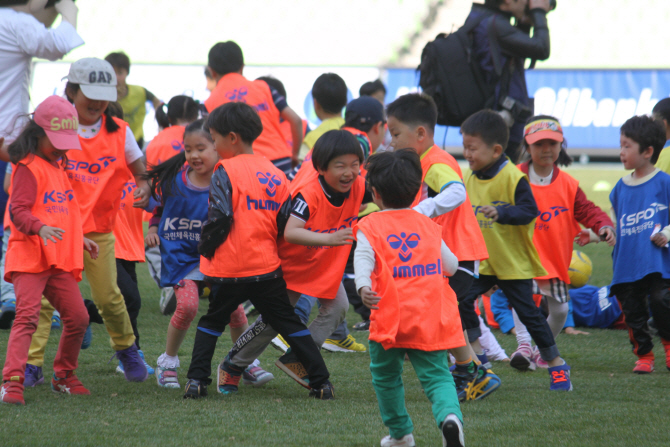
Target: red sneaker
x=68 y=384
x=645 y=364
x=12 y=392
x=666 y=345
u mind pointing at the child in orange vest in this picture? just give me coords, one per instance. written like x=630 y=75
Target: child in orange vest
x=315 y=248
x=249 y=207
x=181 y=111
x=562 y=206
x=442 y=197
x=226 y=64
x=46 y=246
x=400 y=260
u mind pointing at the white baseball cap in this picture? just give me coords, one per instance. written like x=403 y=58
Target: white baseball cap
x=95 y=77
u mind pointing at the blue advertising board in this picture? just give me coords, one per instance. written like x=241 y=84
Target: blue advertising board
x=591 y=104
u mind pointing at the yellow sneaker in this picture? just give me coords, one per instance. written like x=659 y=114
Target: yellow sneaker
x=280 y=344
x=347 y=345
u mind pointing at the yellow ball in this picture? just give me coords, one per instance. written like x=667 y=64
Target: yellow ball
x=580 y=269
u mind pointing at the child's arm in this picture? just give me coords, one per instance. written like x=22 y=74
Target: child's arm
x=364 y=264
x=216 y=229
x=589 y=215
x=449 y=260
x=152 y=238
x=283 y=216
x=91 y=247
x=295 y=232
x=289 y=115
x=22 y=199
x=142 y=192
x=451 y=191
x=522 y=213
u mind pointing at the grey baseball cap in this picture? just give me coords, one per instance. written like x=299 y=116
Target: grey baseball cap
x=95 y=77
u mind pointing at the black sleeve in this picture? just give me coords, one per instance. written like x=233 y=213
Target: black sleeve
x=219 y=214
x=279 y=100
x=516 y=42
x=367 y=197
x=283 y=215
x=150 y=96
x=524 y=210
x=300 y=209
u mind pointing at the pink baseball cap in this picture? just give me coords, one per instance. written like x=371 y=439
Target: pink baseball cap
x=59 y=120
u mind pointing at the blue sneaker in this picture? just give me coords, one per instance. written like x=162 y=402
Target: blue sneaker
x=88 y=337
x=33 y=375
x=560 y=378
x=131 y=364
x=55 y=322
x=485 y=383
x=150 y=369
x=7 y=313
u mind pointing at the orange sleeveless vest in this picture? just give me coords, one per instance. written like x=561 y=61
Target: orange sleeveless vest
x=56 y=206
x=168 y=143
x=259 y=190
x=9 y=194
x=418 y=309
x=460 y=230
x=129 y=231
x=317 y=271
x=234 y=87
x=97 y=174
x=556 y=226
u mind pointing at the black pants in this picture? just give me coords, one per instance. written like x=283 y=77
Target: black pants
x=461 y=283
x=126 y=279
x=271 y=299
x=636 y=298
x=519 y=292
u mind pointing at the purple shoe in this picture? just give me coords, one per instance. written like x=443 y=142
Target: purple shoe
x=34 y=375
x=133 y=365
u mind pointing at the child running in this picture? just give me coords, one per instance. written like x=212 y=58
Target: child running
x=506 y=211
x=313 y=252
x=562 y=205
x=641 y=259
x=176 y=228
x=399 y=262
x=181 y=111
x=249 y=207
x=45 y=254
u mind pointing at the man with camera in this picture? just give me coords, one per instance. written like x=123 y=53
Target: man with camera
x=502 y=48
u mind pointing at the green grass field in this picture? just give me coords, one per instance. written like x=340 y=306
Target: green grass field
x=610 y=406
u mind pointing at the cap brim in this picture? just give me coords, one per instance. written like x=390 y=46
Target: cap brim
x=99 y=92
x=544 y=135
x=64 y=142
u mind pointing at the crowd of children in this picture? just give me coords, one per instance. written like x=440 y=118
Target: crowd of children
x=241 y=199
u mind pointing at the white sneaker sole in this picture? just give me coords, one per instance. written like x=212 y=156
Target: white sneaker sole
x=335 y=348
x=452 y=432
x=259 y=383
x=279 y=345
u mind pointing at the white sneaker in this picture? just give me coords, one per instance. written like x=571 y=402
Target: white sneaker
x=452 y=432
x=279 y=344
x=168 y=301
x=167 y=378
x=405 y=441
x=522 y=358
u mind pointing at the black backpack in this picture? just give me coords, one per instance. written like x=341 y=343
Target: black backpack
x=452 y=76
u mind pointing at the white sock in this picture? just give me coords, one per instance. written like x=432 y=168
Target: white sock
x=167 y=361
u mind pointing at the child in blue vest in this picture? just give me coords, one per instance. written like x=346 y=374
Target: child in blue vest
x=641 y=258
x=176 y=227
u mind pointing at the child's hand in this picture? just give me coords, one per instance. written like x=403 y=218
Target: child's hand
x=659 y=239
x=491 y=212
x=363 y=207
x=341 y=237
x=141 y=196
x=92 y=248
x=583 y=238
x=609 y=235
x=152 y=238
x=50 y=234
x=573 y=331
x=369 y=298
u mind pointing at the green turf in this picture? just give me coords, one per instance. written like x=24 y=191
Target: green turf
x=610 y=406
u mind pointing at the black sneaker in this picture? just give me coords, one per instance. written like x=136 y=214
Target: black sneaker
x=452 y=432
x=326 y=392
x=362 y=326
x=195 y=389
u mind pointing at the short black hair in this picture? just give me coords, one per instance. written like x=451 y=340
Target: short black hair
x=225 y=57
x=333 y=144
x=396 y=176
x=330 y=91
x=119 y=59
x=414 y=109
x=662 y=109
x=274 y=83
x=369 y=88
x=647 y=133
x=236 y=117
x=487 y=125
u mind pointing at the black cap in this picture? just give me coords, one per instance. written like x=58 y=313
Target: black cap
x=364 y=110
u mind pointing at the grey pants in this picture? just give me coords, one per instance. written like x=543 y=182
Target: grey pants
x=253 y=342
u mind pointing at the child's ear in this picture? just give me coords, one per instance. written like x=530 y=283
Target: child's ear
x=648 y=152
x=213 y=72
x=421 y=133
x=497 y=150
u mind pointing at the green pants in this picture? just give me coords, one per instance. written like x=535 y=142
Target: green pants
x=433 y=372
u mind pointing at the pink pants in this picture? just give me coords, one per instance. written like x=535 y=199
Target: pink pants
x=61 y=290
x=187 y=307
